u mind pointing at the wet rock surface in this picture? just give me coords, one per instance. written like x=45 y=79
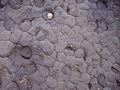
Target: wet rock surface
x=59 y=44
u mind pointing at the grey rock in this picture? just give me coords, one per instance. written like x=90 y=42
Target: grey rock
x=41 y=36
x=34 y=30
x=47 y=47
x=79 y=1
x=102 y=80
x=72 y=8
x=6 y=48
x=25 y=26
x=89 y=50
x=9 y=24
x=66 y=70
x=5 y=35
x=26 y=52
x=107 y=88
x=20 y=15
x=48 y=61
x=39 y=3
x=26 y=39
x=43 y=71
x=51 y=82
x=16 y=36
x=69 y=19
x=37 y=78
x=105 y=53
x=85 y=78
x=68 y=52
x=82 y=86
x=15 y=4
x=80 y=53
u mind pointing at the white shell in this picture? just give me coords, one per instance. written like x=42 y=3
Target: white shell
x=50 y=15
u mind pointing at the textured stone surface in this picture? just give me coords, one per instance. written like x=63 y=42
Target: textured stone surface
x=6 y=48
x=59 y=45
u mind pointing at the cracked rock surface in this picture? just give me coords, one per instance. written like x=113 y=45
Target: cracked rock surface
x=59 y=44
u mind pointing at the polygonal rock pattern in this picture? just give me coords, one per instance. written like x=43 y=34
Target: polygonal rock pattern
x=59 y=45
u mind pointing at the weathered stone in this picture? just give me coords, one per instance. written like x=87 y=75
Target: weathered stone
x=107 y=88
x=85 y=77
x=26 y=39
x=25 y=26
x=68 y=52
x=52 y=37
x=66 y=70
x=51 y=82
x=106 y=65
x=5 y=35
x=47 y=47
x=37 y=78
x=15 y=4
x=101 y=80
x=9 y=24
x=41 y=36
x=89 y=50
x=72 y=8
x=16 y=36
x=48 y=61
x=105 y=53
x=43 y=71
x=82 y=86
x=74 y=62
x=6 y=48
x=80 y=53
x=75 y=76
x=69 y=19
x=26 y=52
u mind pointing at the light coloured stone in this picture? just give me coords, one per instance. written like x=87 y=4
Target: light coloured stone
x=83 y=68
x=66 y=70
x=105 y=53
x=107 y=88
x=85 y=78
x=58 y=65
x=61 y=57
x=52 y=37
x=16 y=36
x=98 y=47
x=89 y=50
x=41 y=36
x=50 y=15
x=5 y=35
x=6 y=48
x=43 y=71
x=80 y=53
x=60 y=46
x=82 y=86
x=37 y=78
x=47 y=47
x=26 y=39
x=75 y=76
x=106 y=65
x=51 y=82
x=5 y=62
x=26 y=52
x=69 y=52
x=69 y=19
x=48 y=61
x=74 y=62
